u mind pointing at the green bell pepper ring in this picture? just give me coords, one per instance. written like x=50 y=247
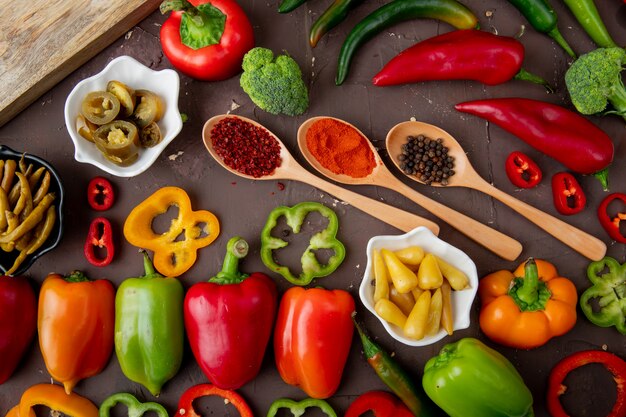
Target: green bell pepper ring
x=149 y=329
x=135 y=407
x=469 y=379
x=299 y=408
x=324 y=239
x=609 y=289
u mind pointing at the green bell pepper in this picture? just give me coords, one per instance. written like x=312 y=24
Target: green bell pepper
x=299 y=408
x=135 y=408
x=324 y=239
x=149 y=327
x=610 y=291
x=469 y=379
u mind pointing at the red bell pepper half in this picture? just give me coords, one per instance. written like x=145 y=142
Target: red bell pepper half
x=100 y=195
x=569 y=197
x=204 y=39
x=380 y=403
x=522 y=170
x=185 y=404
x=100 y=236
x=612 y=224
x=229 y=320
x=611 y=362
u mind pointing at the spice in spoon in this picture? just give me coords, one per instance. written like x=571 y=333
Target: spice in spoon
x=427 y=159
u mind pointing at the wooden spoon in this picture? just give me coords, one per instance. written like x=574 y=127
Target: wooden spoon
x=291 y=170
x=466 y=176
x=493 y=240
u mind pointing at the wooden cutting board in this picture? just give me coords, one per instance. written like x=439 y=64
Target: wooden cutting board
x=42 y=41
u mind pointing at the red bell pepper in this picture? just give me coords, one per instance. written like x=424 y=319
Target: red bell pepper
x=611 y=362
x=185 y=404
x=380 y=403
x=459 y=55
x=522 y=170
x=100 y=236
x=229 y=320
x=206 y=39
x=100 y=194
x=312 y=338
x=559 y=133
x=611 y=224
x=18 y=322
x=569 y=197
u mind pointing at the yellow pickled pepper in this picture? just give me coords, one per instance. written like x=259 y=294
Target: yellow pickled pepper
x=402 y=277
x=411 y=256
x=415 y=326
x=390 y=312
x=429 y=275
x=457 y=279
x=381 y=278
x=447 y=319
x=434 y=313
x=404 y=301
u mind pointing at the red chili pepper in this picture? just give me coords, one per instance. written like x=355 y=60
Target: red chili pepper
x=380 y=403
x=611 y=224
x=185 y=404
x=569 y=197
x=522 y=171
x=559 y=133
x=100 y=236
x=459 y=55
x=611 y=362
x=100 y=194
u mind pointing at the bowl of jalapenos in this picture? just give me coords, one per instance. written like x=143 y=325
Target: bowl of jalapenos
x=122 y=118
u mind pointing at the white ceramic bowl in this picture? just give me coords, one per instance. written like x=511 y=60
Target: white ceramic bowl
x=424 y=238
x=164 y=83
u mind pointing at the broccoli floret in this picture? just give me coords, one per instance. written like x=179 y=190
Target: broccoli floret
x=595 y=79
x=275 y=85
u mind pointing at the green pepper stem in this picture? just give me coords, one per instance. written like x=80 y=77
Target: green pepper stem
x=524 y=75
x=148 y=267
x=603 y=177
x=183 y=6
x=76 y=276
x=236 y=249
x=556 y=35
x=528 y=291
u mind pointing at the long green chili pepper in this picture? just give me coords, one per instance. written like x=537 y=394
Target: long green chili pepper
x=334 y=15
x=542 y=17
x=449 y=11
x=392 y=374
x=587 y=15
x=287 y=6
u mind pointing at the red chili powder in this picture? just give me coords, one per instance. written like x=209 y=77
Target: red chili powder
x=245 y=147
x=340 y=148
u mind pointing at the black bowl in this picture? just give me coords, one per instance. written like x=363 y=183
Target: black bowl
x=8 y=258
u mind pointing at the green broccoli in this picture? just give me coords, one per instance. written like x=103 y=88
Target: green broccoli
x=595 y=79
x=275 y=85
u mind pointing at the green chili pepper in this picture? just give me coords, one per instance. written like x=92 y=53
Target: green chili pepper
x=324 y=239
x=149 y=327
x=587 y=15
x=287 y=6
x=135 y=407
x=542 y=17
x=334 y=15
x=610 y=291
x=449 y=11
x=392 y=374
x=299 y=408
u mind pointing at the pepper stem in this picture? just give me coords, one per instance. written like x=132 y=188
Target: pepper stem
x=182 y=6
x=76 y=276
x=148 y=266
x=556 y=35
x=370 y=349
x=524 y=75
x=236 y=249
x=529 y=293
x=603 y=177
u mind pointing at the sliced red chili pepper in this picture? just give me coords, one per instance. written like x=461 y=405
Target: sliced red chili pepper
x=611 y=224
x=185 y=404
x=569 y=197
x=380 y=403
x=100 y=236
x=522 y=170
x=100 y=194
x=611 y=362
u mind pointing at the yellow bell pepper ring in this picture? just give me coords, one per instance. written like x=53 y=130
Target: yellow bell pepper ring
x=173 y=256
x=402 y=277
x=55 y=398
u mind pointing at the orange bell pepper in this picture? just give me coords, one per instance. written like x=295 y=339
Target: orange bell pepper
x=527 y=311
x=76 y=326
x=55 y=398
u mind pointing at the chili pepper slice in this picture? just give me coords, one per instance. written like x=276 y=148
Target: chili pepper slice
x=185 y=404
x=522 y=170
x=299 y=408
x=380 y=403
x=100 y=194
x=611 y=362
x=135 y=407
x=610 y=291
x=612 y=225
x=334 y=15
x=567 y=193
x=100 y=236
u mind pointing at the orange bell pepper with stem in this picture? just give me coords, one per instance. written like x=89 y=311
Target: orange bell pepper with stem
x=527 y=308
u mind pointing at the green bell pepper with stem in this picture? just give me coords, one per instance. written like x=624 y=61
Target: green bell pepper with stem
x=469 y=379
x=135 y=408
x=299 y=408
x=149 y=329
x=587 y=15
x=609 y=289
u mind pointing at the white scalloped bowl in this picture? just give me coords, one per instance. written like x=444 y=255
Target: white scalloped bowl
x=424 y=238
x=165 y=83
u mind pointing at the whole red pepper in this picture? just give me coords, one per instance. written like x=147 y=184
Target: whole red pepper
x=459 y=55
x=229 y=320
x=559 y=133
x=18 y=322
x=522 y=170
x=100 y=235
x=611 y=224
x=100 y=194
x=208 y=41
x=569 y=197
x=380 y=403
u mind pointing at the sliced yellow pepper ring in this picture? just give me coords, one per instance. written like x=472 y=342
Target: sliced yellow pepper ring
x=55 y=398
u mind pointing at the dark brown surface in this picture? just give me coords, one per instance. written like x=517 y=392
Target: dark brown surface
x=242 y=206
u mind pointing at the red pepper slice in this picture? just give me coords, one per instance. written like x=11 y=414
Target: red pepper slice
x=100 y=194
x=611 y=225
x=569 y=197
x=380 y=403
x=522 y=170
x=185 y=404
x=100 y=236
x=611 y=362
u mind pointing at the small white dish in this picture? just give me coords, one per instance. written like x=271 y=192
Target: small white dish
x=165 y=84
x=424 y=238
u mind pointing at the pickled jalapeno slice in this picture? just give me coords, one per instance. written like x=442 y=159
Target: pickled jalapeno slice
x=125 y=95
x=150 y=135
x=149 y=108
x=100 y=107
x=118 y=141
x=85 y=128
